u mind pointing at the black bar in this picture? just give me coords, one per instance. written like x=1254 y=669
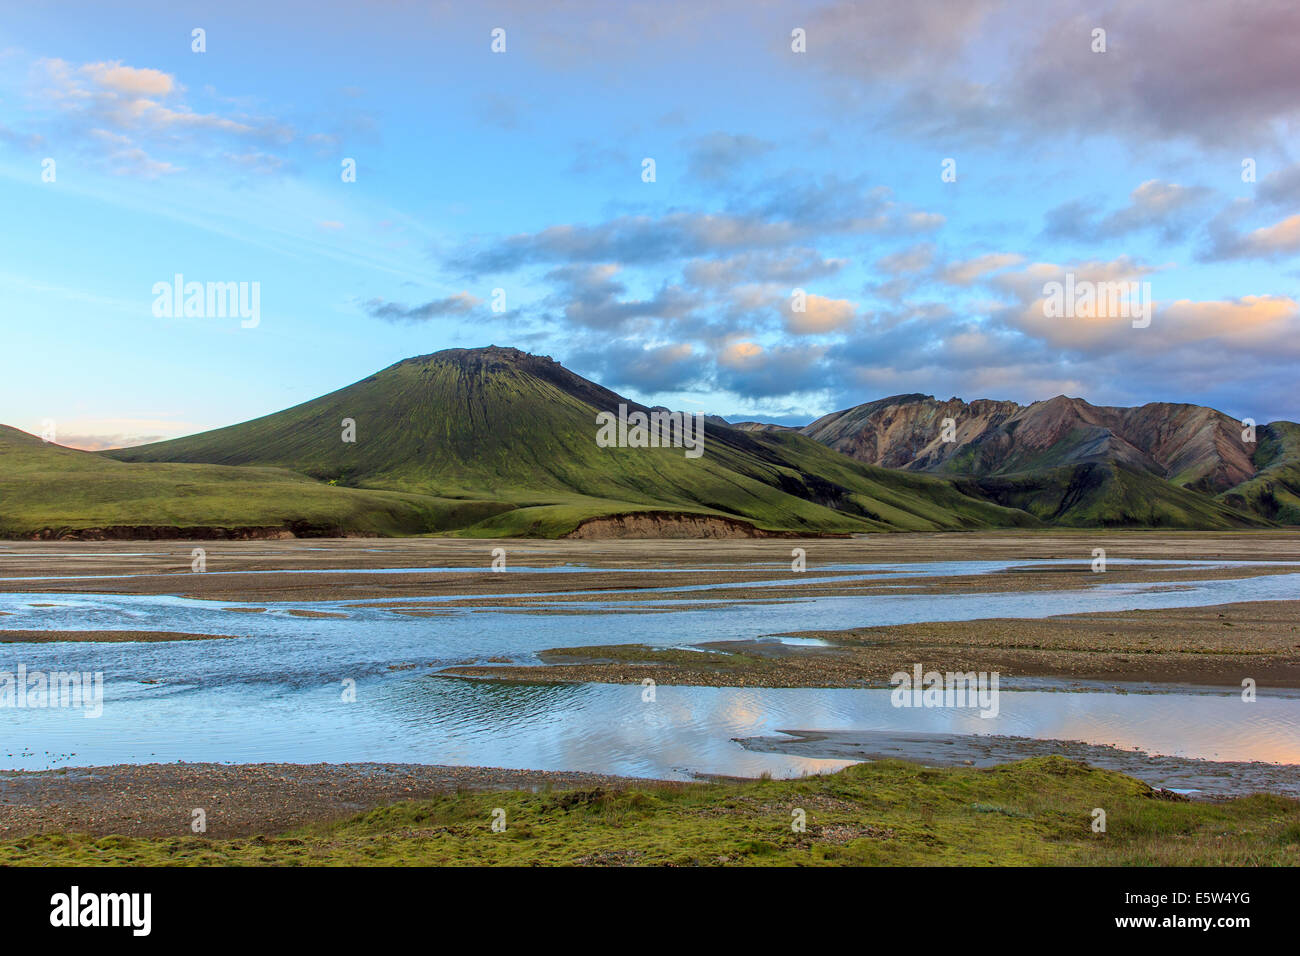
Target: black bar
x=337 y=906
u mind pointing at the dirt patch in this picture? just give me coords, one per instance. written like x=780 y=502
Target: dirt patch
x=660 y=524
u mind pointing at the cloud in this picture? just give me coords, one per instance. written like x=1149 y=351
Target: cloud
x=123 y=158
x=462 y=303
x=628 y=240
x=1251 y=321
x=1212 y=73
x=126 y=99
x=1153 y=205
x=820 y=315
x=592 y=297
x=97 y=434
x=1105 y=325
x=1193 y=351
x=1246 y=328
x=793 y=265
x=1267 y=242
x=102 y=442
x=913 y=268
x=978 y=269
x=907 y=261
x=127 y=80
x=628 y=364
x=772 y=216
x=1280 y=188
x=139 y=121
x=832 y=204
x=749 y=369
x=894 y=40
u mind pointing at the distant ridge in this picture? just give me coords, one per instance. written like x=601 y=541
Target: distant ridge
x=498 y=442
x=1069 y=461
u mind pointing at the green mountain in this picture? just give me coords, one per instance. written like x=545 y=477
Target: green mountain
x=504 y=443
x=1109 y=495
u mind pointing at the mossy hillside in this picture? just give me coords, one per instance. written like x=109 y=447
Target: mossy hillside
x=1274 y=491
x=502 y=426
x=1104 y=495
x=47 y=487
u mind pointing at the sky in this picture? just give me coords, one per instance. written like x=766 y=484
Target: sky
x=848 y=201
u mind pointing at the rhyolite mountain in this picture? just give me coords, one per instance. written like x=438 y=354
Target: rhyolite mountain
x=1191 y=446
x=498 y=442
x=1071 y=462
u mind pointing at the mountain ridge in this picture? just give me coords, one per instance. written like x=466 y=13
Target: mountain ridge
x=1188 y=444
x=497 y=442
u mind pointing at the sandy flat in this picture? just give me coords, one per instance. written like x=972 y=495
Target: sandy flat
x=1215 y=646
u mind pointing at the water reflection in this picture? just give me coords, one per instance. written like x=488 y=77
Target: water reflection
x=612 y=729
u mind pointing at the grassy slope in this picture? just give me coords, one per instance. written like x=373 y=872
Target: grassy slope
x=49 y=487
x=522 y=438
x=1275 y=491
x=1034 y=812
x=1107 y=495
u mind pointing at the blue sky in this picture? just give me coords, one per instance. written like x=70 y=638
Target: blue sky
x=522 y=171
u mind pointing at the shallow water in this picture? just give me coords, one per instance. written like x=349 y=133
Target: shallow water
x=274 y=694
x=607 y=728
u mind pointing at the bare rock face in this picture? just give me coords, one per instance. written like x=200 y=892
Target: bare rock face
x=1192 y=446
x=655 y=524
